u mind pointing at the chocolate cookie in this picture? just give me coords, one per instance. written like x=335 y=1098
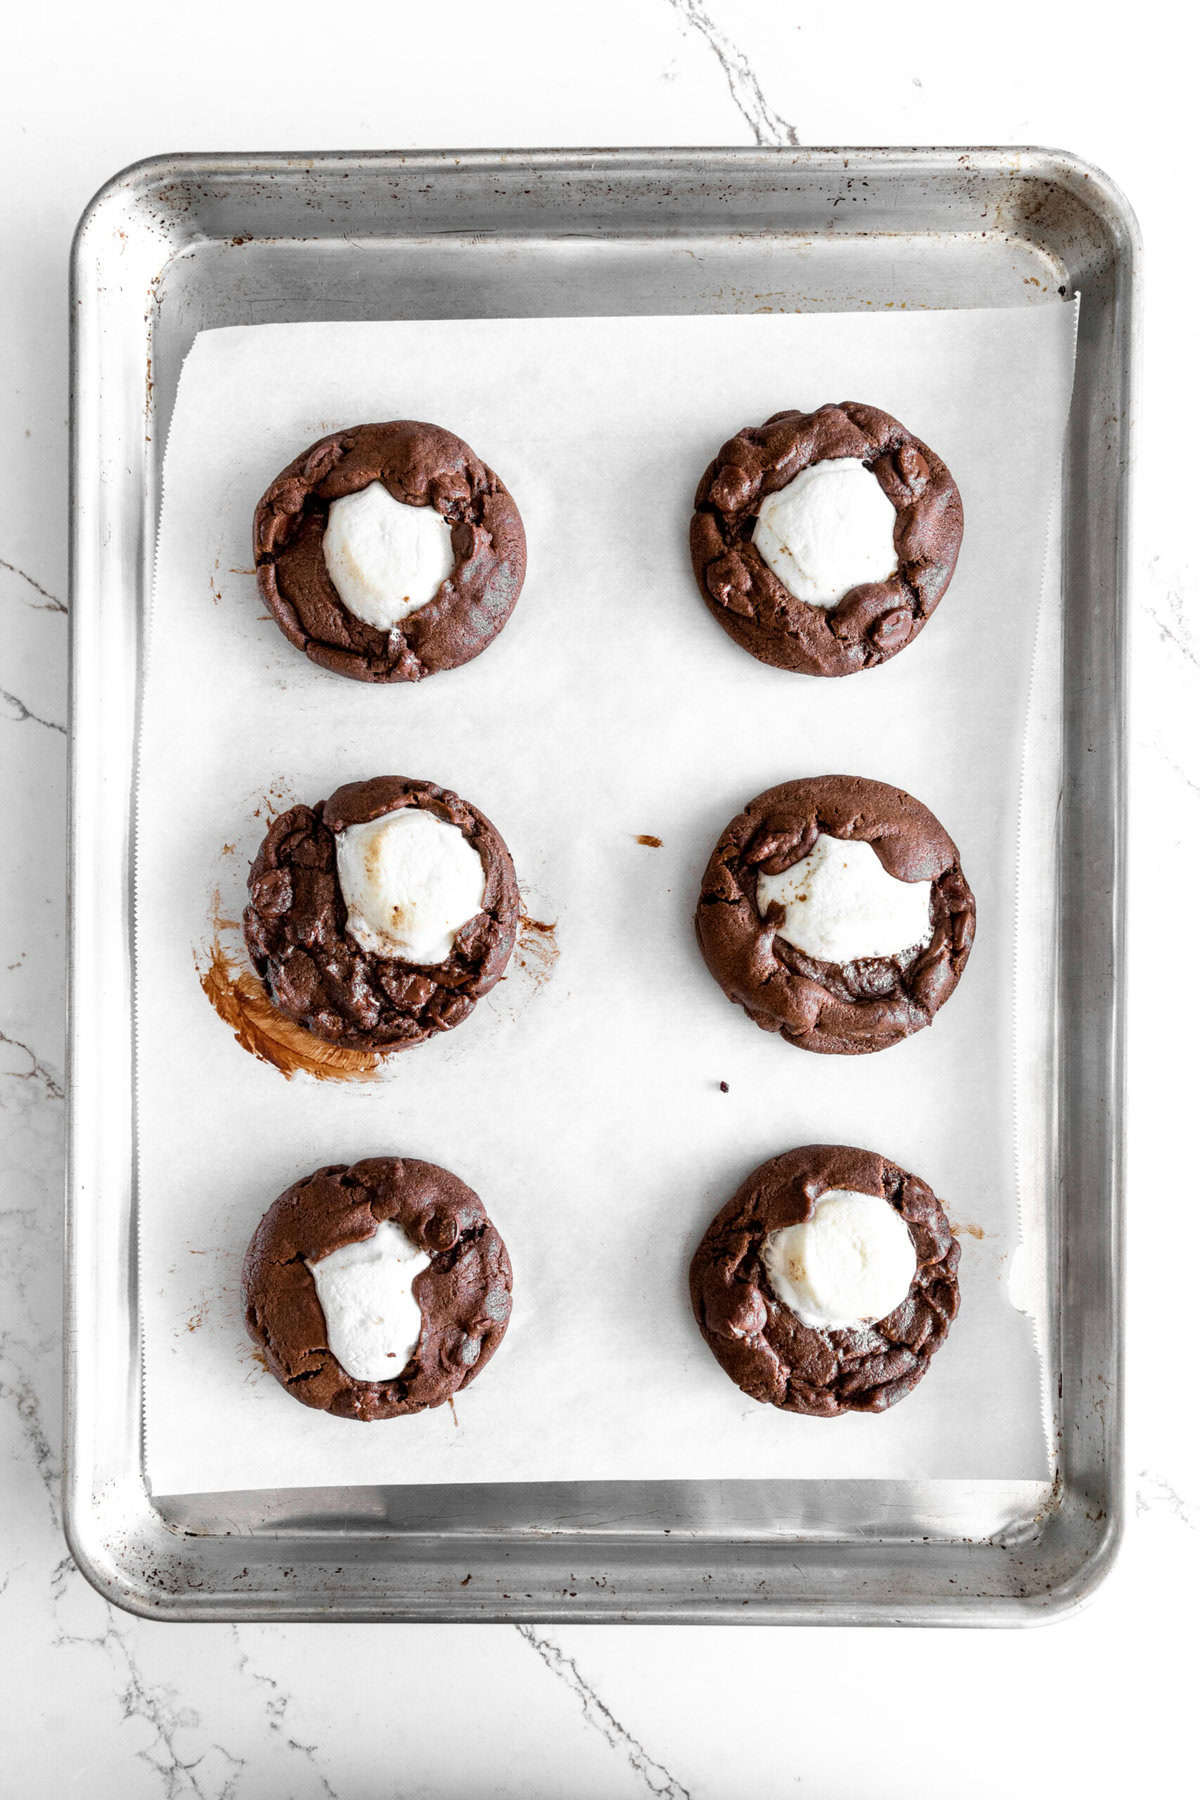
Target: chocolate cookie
x=818 y=939
x=433 y=902
x=759 y=1337
x=456 y=528
x=427 y=1289
x=887 y=548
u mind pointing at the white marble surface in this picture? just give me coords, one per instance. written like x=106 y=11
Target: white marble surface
x=97 y=1702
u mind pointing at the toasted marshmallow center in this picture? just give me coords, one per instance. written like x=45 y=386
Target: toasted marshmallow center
x=372 y=1317
x=829 y=530
x=385 y=558
x=410 y=882
x=851 y=1264
x=840 y=904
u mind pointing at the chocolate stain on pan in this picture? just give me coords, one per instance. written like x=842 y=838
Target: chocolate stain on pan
x=537 y=947
x=975 y=1231
x=241 y=1000
x=276 y=800
x=219 y=921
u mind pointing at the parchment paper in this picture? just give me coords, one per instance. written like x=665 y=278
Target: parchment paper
x=582 y=1099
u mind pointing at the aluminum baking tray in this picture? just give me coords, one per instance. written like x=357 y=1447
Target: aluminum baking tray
x=182 y=243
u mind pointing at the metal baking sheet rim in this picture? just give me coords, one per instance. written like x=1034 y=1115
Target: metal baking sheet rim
x=313 y=1556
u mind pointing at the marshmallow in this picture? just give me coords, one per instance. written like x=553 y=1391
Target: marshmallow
x=410 y=882
x=385 y=558
x=850 y=1265
x=827 y=531
x=840 y=904
x=372 y=1317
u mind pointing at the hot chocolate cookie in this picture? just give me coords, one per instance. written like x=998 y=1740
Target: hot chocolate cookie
x=828 y=1281
x=389 y=552
x=380 y=916
x=835 y=911
x=377 y=1289
x=823 y=541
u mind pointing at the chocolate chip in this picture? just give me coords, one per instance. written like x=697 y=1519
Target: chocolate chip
x=746 y=1313
x=731 y=488
x=890 y=631
x=439 y=1231
x=913 y=469
x=274 y=894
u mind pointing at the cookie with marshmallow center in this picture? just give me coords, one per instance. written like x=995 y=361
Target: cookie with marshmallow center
x=835 y=911
x=389 y=552
x=823 y=541
x=828 y=1282
x=377 y=1289
x=379 y=917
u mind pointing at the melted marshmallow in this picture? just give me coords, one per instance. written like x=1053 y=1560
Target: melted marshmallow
x=850 y=1265
x=840 y=904
x=385 y=558
x=410 y=882
x=829 y=530
x=372 y=1316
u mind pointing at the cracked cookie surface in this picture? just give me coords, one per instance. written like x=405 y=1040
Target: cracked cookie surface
x=419 y=465
x=763 y=1346
x=320 y=976
x=839 y=1008
x=872 y=621
x=465 y=1293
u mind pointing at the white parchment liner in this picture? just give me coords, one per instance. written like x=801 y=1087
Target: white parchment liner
x=582 y=1099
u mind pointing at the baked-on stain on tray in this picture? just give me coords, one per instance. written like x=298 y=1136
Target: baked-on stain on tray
x=537 y=947
x=239 y=998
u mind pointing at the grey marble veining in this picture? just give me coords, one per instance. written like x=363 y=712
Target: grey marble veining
x=101 y=1703
x=745 y=89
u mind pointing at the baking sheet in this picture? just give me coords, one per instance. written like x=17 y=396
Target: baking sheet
x=582 y=1099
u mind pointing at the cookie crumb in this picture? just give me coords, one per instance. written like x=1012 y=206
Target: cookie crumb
x=651 y=842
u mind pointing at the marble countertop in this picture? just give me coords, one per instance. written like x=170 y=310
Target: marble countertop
x=102 y=1703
